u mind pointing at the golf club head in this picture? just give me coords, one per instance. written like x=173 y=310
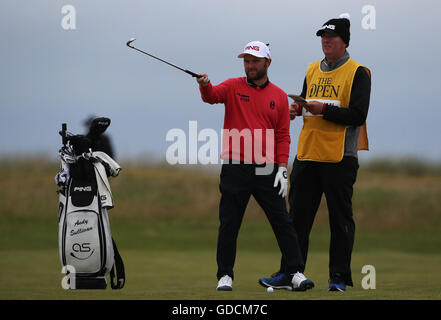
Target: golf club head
x=130 y=41
x=98 y=126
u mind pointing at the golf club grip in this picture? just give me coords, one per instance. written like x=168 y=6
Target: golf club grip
x=193 y=74
x=63 y=133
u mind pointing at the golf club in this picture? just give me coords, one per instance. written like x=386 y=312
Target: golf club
x=170 y=64
x=63 y=133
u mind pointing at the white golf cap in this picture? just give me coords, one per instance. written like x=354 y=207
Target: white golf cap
x=257 y=49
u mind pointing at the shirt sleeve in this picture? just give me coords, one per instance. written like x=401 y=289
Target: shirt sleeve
x=357 y=112
x=283 y=139
x=215 y=94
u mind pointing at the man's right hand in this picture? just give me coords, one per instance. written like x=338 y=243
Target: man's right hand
x=203 y=81
x=294 y=109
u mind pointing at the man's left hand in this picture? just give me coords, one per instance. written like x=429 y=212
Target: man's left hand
x=314 y=107
x=282 y=178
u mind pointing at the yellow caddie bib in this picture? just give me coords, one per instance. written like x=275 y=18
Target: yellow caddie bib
x=323 y=140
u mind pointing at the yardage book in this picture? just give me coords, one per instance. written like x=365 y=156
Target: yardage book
x=297 y=98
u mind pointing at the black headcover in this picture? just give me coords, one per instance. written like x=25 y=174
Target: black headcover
x=80 y=143
x=98 y=126
x=82 y=170
x=100 y=142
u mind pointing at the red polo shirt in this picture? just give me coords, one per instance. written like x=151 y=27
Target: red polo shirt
x=256 y=122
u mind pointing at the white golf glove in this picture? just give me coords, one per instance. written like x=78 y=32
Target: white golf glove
x=282 y=178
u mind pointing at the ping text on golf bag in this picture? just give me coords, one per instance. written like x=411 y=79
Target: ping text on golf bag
x=88 y=252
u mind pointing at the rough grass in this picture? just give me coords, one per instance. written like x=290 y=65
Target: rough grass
x=383 y=200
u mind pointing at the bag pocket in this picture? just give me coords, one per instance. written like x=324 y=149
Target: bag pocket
x=84 y=242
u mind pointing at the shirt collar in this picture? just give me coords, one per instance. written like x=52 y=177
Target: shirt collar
x=329 y=66
x=263 y=86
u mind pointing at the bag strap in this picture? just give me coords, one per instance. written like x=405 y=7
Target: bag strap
x=120 y=273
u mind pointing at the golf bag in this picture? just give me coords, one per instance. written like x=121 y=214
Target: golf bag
x=88 y=252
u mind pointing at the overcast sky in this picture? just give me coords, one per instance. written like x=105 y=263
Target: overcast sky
x=51 y=75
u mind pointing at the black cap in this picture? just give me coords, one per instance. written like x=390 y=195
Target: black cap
x=337 y=27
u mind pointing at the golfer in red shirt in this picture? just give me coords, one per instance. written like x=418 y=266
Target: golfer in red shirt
x=255 y=136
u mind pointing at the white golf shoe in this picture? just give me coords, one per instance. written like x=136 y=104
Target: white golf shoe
x=225 y=284
x=300 y=283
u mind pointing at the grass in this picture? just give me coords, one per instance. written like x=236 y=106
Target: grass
x=163 y=257
x=165 y=223
x=167 y=275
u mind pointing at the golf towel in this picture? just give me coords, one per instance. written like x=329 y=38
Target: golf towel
x=104 y=190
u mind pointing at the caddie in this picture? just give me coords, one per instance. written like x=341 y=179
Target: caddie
x=337 y=90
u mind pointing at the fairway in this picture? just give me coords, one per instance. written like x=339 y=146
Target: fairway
x=160 y=266
x=176 y=275
x=167 y=235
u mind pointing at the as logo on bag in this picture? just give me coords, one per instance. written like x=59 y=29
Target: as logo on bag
x=82 y=248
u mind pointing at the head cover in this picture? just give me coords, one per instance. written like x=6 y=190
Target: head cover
x=337 y=27
x=257 y=49
x=98 y=126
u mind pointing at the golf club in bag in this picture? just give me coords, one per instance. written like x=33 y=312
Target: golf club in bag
x=88 y=252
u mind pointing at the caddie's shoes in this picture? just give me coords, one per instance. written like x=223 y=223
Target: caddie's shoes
x=277 y=281
x=337 y=284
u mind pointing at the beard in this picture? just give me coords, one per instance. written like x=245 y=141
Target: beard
x=258 y=74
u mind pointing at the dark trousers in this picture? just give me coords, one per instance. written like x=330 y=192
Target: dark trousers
x=237 y=183
x=309 y=180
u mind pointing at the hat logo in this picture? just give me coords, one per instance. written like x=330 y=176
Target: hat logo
x=329 y=26
x=255 y=48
